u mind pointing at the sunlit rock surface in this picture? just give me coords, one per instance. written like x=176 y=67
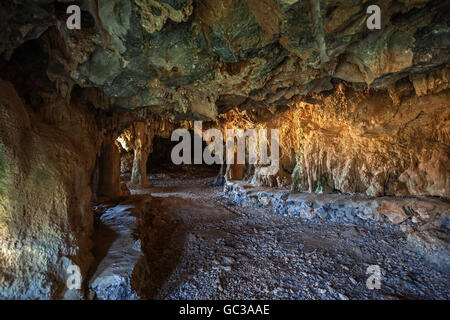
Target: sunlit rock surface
x=377 y=142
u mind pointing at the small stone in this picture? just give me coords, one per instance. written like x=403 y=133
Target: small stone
x=342 y=296
x=226 y=268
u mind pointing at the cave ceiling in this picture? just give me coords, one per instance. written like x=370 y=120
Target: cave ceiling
x=195 y=59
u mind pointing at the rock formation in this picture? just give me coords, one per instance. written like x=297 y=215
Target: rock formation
x=359 y=111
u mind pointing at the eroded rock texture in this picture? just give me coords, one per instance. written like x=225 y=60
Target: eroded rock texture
x=54 y=161
x=45 y=215
x=378 y=142
x=359 y=110
x=136 y=142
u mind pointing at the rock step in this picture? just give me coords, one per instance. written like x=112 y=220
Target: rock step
x=406 y=211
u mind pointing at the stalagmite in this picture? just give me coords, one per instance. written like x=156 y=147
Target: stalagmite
x=142 y=147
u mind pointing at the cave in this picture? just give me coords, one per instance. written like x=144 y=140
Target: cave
x=225 y=150
x=160 y=159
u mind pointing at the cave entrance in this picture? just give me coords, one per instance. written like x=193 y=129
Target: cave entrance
x=160 y=164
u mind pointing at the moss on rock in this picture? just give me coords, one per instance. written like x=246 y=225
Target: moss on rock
x=2 y=169
x=297 y=174
x=325 y=184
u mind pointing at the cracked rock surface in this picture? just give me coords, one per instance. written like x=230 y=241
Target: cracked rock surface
x=198 y=58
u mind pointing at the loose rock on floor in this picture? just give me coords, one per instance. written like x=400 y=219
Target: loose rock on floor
x=198 y=244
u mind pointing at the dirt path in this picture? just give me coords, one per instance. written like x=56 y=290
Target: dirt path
x=203 y=246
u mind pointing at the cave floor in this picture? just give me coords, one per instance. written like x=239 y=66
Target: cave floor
x=206 y=247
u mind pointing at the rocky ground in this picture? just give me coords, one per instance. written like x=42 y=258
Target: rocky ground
x=200 y=245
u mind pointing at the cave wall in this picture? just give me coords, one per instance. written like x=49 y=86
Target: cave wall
x=57 y=155
x=45 y=215
x=375 y=144
x=391 y=141
x=109 y=169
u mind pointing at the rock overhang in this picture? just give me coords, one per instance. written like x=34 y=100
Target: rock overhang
x=186 y=57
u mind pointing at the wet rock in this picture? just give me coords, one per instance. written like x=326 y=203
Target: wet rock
x=119 y=252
